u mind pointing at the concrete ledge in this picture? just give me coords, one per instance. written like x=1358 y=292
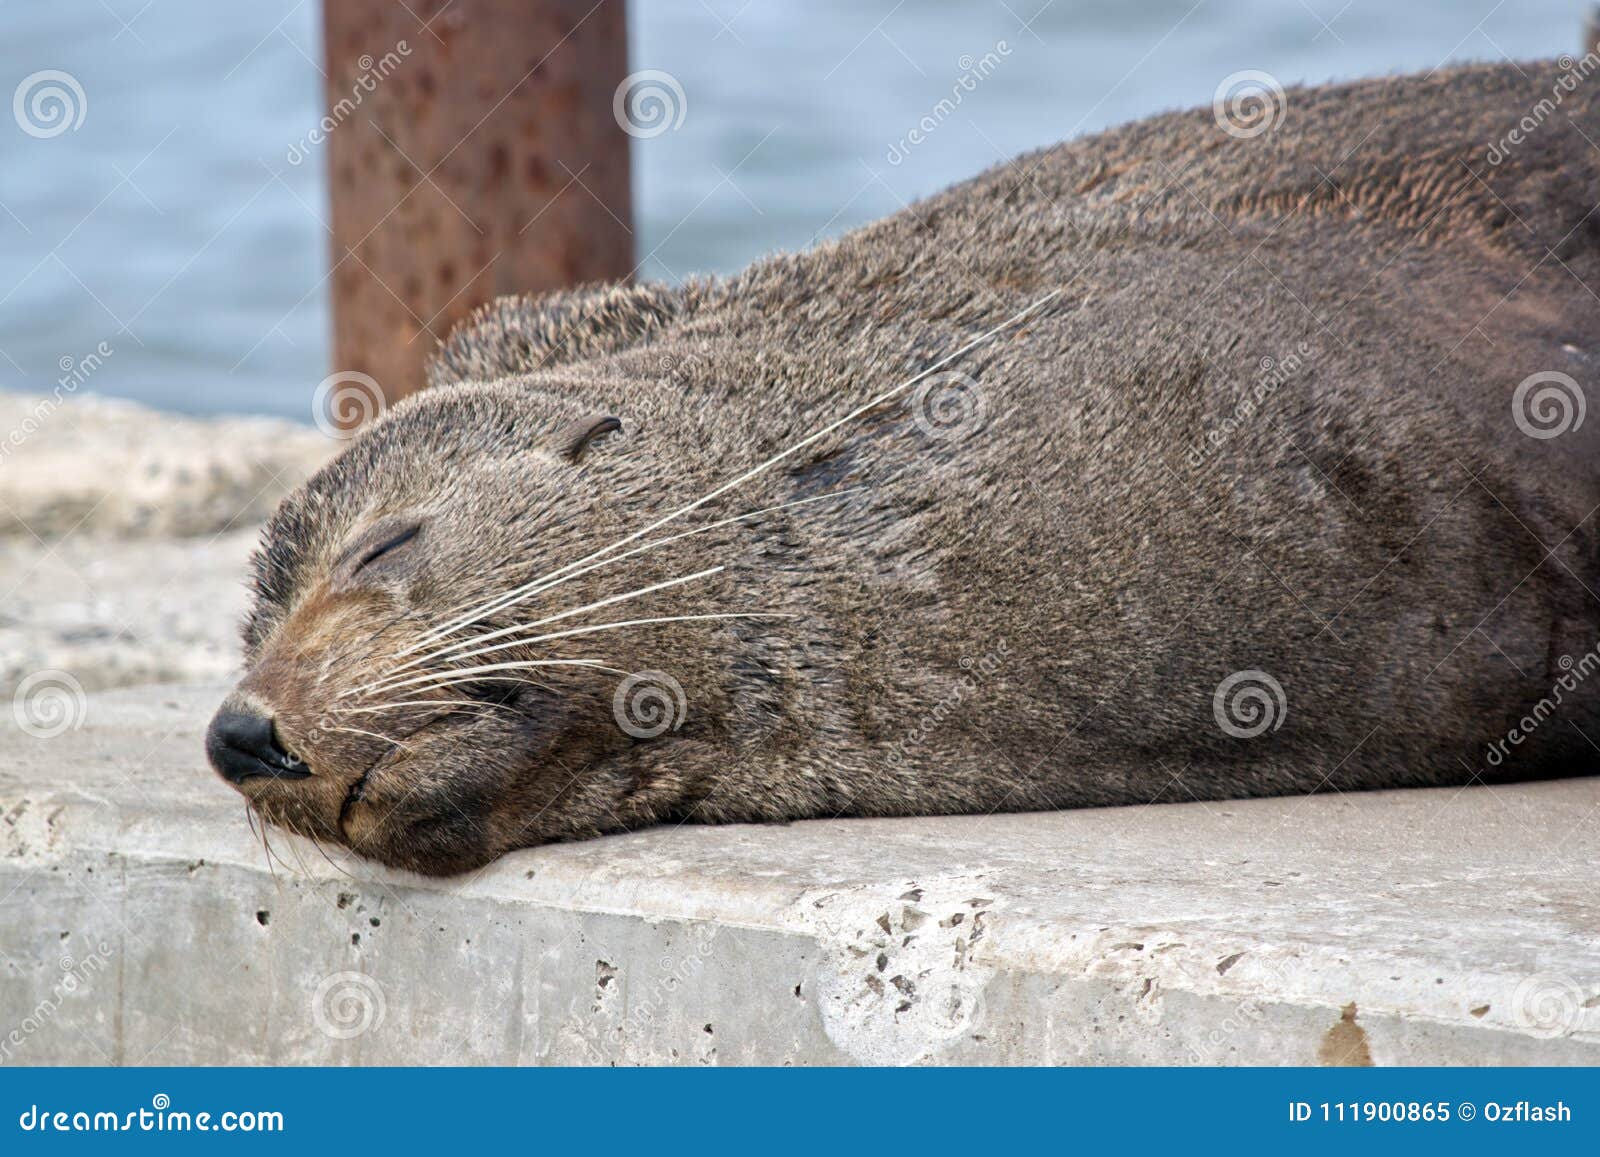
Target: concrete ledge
x=140 y=924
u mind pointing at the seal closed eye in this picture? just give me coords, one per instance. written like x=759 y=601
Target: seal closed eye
x=394 y=542
x=1179 y=500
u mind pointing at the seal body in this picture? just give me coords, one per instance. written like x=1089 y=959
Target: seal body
x=1261 y=501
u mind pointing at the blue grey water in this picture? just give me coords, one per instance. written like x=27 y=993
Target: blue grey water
x=170 y=225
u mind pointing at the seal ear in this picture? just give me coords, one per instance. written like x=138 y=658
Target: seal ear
x=572 y=438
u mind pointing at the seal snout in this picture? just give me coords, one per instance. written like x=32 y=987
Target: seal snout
x=243 y=744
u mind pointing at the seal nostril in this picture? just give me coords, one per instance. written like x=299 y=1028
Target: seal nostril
x=244 y=745
x=281 y=753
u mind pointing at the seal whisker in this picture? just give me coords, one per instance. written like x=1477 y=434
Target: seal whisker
x=388 y=682
x=300 y=861
x=371 y=735
x=547 y=582
x=273 y=855
x=460 y=704
x=316 y=843
x=250 y=816
x=472 y=675
x=761 y=468
x=502 y=632
x=383 y=684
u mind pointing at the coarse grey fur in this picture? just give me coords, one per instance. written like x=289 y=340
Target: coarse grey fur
x=1266 y=427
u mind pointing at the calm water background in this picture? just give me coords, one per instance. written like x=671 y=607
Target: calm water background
x=171 y=227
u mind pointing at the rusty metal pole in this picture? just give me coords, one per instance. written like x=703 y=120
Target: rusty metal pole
x=472 y=151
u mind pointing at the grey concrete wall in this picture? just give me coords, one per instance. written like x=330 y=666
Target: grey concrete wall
x=142 y=923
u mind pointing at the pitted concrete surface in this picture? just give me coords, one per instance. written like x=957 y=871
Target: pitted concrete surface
x=142 y=923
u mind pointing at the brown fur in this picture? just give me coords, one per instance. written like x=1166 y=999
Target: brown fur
x=1029 y=611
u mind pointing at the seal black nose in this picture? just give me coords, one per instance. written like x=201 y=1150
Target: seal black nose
x=242 y=744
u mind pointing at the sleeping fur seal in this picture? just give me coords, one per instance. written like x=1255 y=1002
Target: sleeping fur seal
x=1268 y=475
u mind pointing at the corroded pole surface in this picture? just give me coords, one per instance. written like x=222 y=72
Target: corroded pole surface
x=472 y=151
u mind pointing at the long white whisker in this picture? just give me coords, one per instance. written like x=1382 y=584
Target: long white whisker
x=294 y=846
x=540 y=585
x=271 y=852
x=250 y=814
x=372 y=735
x=466 y=704
x=435 y=679
x=661 y=586
x=796 y=448
x=318 y=845
x=390 y=684
x=387 y=682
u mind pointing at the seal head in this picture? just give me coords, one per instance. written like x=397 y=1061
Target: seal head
x=361 y=719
